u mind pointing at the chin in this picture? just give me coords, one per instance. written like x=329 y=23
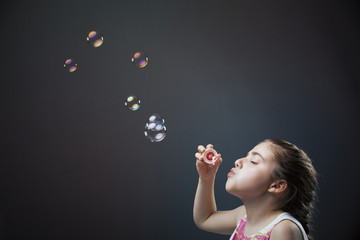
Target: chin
x=233 y=193
x=231 y=190
x=228 y=188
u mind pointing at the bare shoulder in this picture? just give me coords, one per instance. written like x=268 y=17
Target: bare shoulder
x=286 y=230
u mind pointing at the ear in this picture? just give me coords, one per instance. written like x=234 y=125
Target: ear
x=278 y=186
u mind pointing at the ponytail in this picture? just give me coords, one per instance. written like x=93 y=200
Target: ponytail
x=294 y=166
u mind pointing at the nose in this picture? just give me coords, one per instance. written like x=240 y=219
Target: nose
x=239 y=163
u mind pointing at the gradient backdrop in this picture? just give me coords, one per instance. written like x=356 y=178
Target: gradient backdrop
x=75 y=163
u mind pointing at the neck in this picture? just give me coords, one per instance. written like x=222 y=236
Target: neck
x=260 y=210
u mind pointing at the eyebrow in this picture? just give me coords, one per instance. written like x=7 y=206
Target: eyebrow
x=256 y=153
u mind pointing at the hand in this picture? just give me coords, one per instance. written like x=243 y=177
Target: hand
x=206 y=171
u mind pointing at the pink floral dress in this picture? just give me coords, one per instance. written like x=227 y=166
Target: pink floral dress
x=264 y=234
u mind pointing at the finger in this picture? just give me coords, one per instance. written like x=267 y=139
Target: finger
x=209 y=146
x=199 y=157
x=200 y=161
x=201 y=148
x=218 y=159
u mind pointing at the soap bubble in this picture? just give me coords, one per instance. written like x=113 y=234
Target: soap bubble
x=95 y=39
x=70 y=65
x=155 y=128
x=140 y=59
x=132 y=102
x=156 y=117
x=155 y=136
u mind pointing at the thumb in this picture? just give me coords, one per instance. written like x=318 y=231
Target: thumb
x=217 y=160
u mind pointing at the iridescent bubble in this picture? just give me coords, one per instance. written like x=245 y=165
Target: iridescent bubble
x=155 y=128
x=70 y=65
x=95 y=39
x=156 y=117
x=155 y=136
x=140 y=59
x=132 y=102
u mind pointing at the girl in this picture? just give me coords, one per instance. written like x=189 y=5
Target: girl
x=276 y=182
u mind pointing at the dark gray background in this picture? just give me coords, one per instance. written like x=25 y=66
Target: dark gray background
x=75 y=163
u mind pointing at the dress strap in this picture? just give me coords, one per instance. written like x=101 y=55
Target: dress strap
x=288 y=216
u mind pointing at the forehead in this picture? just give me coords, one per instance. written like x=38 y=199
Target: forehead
x=265 y=150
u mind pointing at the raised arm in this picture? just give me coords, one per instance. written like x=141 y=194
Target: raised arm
x=206 y=216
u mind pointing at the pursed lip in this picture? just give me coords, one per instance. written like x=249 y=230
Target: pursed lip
x=232 y=172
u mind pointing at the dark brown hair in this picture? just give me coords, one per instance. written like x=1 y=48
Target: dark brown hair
x=294 y=166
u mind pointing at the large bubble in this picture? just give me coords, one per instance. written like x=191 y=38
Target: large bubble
x=155 y=128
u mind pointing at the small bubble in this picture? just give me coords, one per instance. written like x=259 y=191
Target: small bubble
x=95 y=39
x=140 y=59
x=132 y=102
x=70 y=65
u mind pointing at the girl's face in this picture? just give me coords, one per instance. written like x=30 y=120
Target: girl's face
x=251 y=176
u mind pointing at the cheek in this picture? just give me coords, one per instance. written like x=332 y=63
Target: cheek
x=261 y=178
